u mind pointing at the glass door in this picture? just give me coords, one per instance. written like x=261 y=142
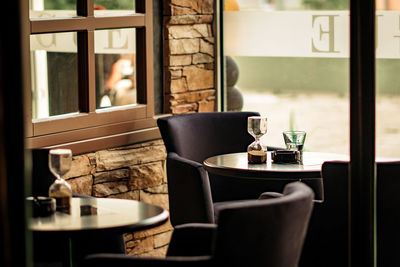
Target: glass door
x=387 y=78
x=289 y=60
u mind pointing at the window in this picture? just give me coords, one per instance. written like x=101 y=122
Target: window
x=387 y=79
x=293 y=61
x=91 y=66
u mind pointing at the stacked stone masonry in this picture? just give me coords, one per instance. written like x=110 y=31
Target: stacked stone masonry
x=134 y=172
x=189 y=42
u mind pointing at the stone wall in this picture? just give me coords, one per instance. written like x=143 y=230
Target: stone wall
x=138 y=171
x=189 y=56
x=133 y=172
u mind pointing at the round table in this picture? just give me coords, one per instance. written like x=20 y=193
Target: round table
x=100 y=215
x=236 y=165
x=309 y=172
x=89 y=214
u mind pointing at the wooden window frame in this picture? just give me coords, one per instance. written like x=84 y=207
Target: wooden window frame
x=91 y=129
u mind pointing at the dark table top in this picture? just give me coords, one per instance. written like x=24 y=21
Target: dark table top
x=89 y=214
x=236 y=165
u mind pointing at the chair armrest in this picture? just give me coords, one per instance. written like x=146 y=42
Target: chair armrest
x=269 y=195
x=121 y=260
x=192 y=239
x=189 y=191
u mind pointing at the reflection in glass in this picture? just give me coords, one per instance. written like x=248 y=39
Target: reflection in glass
x=114 y=7
x=115 y=67
x=54 y=76
x=52 y=9
x=387 y=78
x=292 y=61
x=387 y=5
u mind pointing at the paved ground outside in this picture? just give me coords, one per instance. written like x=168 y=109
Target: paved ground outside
x=325 y=118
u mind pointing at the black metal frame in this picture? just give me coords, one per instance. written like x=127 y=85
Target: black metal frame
x=222 y=93
x=362 y=170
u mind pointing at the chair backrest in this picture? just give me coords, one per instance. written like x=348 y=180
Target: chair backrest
x=327 y=240
x=388 y=215
x=267 y=232
x=198 y=136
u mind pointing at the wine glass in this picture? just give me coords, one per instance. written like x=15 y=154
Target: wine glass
x=257 y=127
x=59 y=164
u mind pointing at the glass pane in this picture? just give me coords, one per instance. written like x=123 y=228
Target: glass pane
x=115 y=67
x=114 y=7
x=289 y=60
x=387 y=78
x=52 y=8
x=54 y=75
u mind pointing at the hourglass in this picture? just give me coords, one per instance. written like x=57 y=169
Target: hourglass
x=59 y=164
x=257 y=127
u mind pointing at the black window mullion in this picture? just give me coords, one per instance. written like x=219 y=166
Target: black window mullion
x=141 y=61
x=140 y=6
x=84 y=8
x=83 y=71
x=86 y=70
x=362 y=182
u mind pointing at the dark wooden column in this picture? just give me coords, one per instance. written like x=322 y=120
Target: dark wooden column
x=362 y=182
x=13 y=249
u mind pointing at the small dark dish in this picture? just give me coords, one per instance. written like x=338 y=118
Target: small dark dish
x=286 y=156
x=42 y=206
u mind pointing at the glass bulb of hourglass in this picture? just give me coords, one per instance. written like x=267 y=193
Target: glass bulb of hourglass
x=60 y=161
x=257 y=127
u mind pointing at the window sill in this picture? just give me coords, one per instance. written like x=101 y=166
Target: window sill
x=97 y=138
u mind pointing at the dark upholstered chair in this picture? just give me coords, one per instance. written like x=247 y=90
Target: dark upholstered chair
x=267 y=232
x=189 y=140
x=46 y=253
x=326 y=243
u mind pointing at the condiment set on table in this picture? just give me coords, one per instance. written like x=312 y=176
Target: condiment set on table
x=60 y=192
x=257 y=152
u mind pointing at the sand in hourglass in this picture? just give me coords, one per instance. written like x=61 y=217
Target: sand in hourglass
x=63 y=201
x=256 y=156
